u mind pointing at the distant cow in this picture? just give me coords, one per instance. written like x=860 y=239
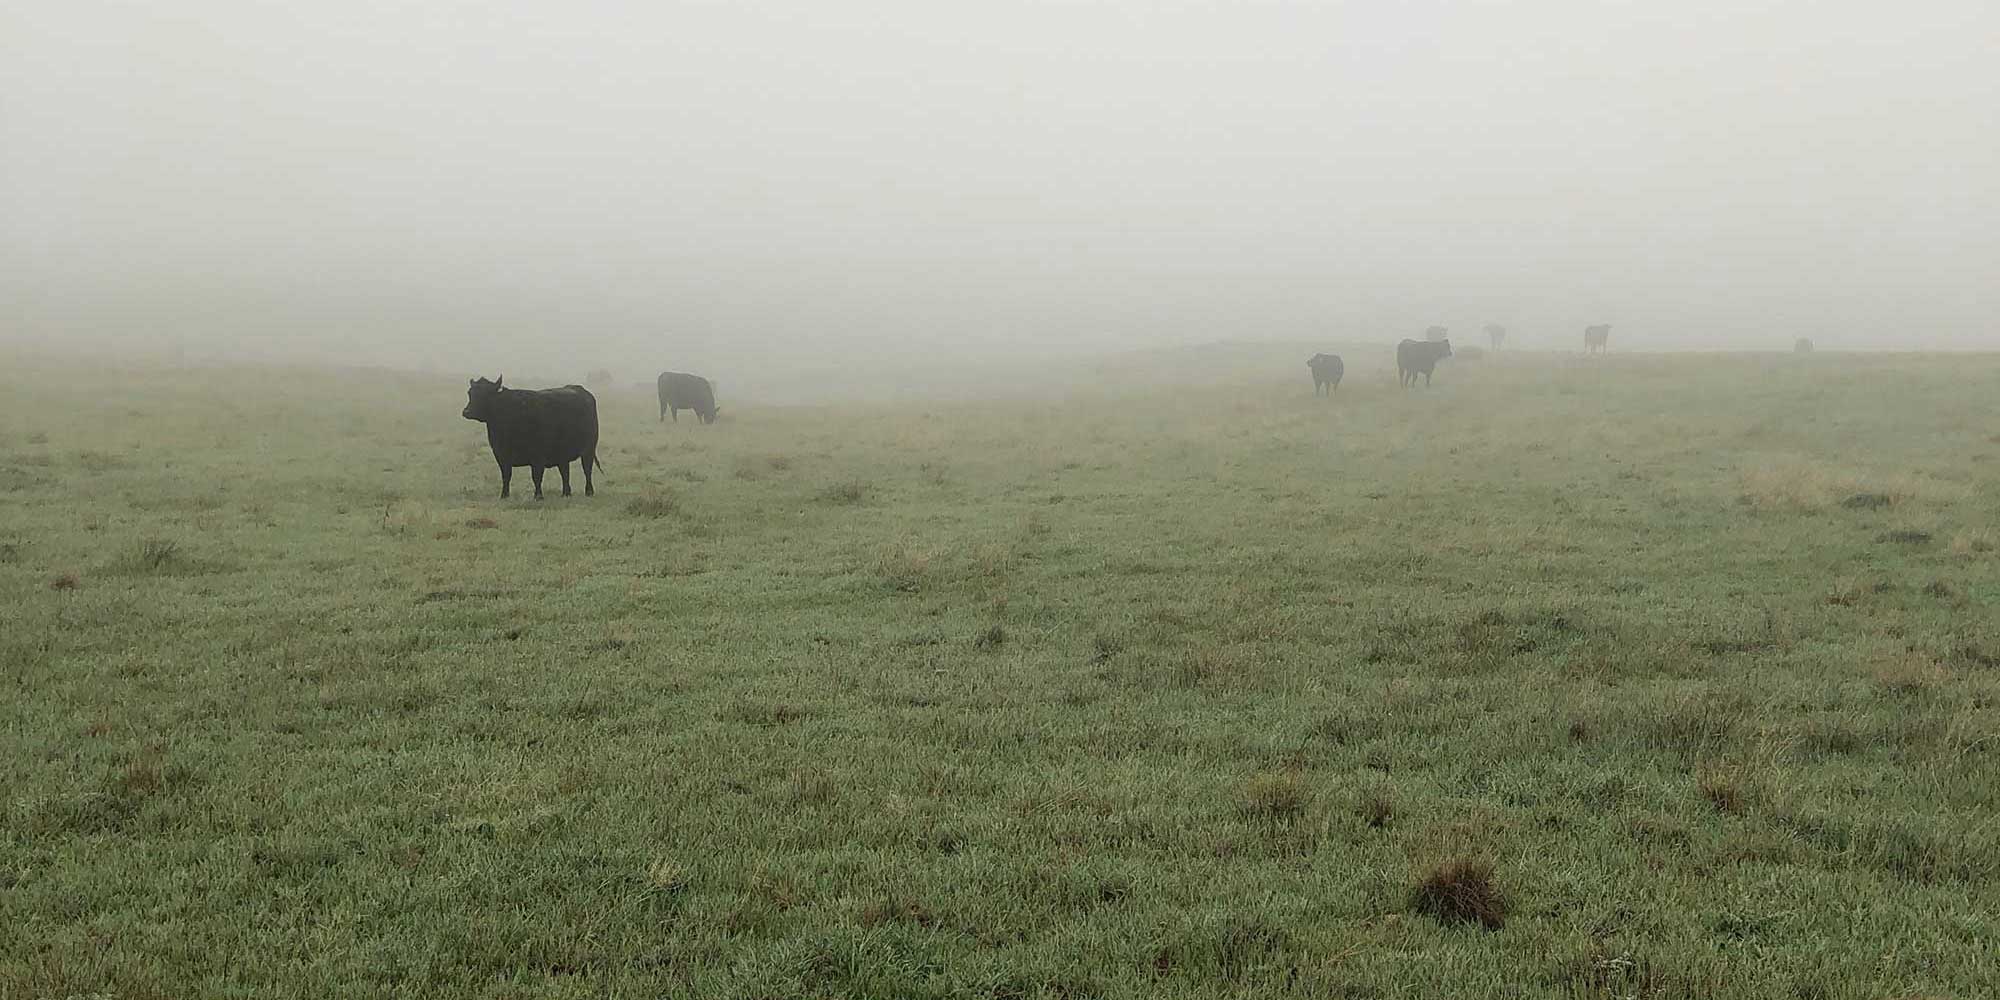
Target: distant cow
x=1326 y=369
x=1419 y=357
x=1594 y=337
x=1802 y=346
x=537 y=428
x=1436 y=334
x=681 y=391
x=1497 y=334
x=600 y=378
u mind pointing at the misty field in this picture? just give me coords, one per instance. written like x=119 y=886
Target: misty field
x=1671 y=676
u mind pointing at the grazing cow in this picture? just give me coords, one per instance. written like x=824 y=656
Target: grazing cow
x=1436 y=334
x=681 y=391
x=537 y=428
x=1326 y=369
x=1594 y=337
x=1419 y=357
x=1802 y=346
x=1497 y=334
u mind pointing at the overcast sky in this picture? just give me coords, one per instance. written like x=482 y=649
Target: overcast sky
x=466 y=184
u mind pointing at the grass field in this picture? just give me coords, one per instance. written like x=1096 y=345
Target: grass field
x=1667 y=676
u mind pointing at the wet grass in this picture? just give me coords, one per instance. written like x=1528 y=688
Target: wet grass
x=1560 y=679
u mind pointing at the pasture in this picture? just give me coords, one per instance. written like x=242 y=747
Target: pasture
x=1622 y=676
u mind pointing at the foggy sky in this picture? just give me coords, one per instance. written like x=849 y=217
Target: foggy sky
x=714 y=185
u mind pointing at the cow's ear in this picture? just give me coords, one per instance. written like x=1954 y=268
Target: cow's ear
x=500 y=381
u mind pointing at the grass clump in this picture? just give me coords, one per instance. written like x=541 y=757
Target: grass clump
x=845 y=493
x=1374 y=808
x=1279 y=796
x=1909 y=674
x=156 y=555
x=1723 y=788
x=1461 y=891
x=653 y=505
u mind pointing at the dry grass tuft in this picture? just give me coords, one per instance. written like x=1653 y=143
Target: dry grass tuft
x=665 y=875
x=1723 y=787
x=64 y=581
x=1868 y=501
x=1794 y=484
x=482 y=524
x=157 y=554
x=1908 y=674
x=904 y=565
x=653 y=505
x=1847 y=592
x=765 y=714
x=1278 y=796
x=811 y=788
x=1374 y=808
x=896 y=910
x=1461 y=891
x=847 y=493
x=1969 y=543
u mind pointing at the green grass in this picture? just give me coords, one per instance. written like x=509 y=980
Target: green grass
x=1564 y=678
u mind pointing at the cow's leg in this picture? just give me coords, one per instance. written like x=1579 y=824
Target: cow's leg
x=564 y=469
x=589 y=459
x=536 y=471
x=676 y=411
x=506 y=480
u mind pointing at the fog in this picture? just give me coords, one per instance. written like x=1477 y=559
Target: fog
x=744 y=187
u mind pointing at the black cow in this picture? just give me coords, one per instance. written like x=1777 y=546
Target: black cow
x=1437 y=334
x=1326 y=369
x=681 y=391
x=1497 y=334
x=1596 y=338
x=1419 y=357
x=537 y=428
x=1802 y=346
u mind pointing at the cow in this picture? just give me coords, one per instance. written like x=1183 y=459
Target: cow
x=537 y=428
x=1497 y=334
x=1594 y=337
x=1802 y=346
x=1419 y=357
x=1326 y=369
x=1436 y=334
x=681 y=391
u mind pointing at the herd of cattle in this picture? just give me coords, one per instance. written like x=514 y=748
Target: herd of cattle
x=550 y=428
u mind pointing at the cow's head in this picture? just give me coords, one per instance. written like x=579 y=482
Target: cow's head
x=479 y=395
x=1444 y=348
